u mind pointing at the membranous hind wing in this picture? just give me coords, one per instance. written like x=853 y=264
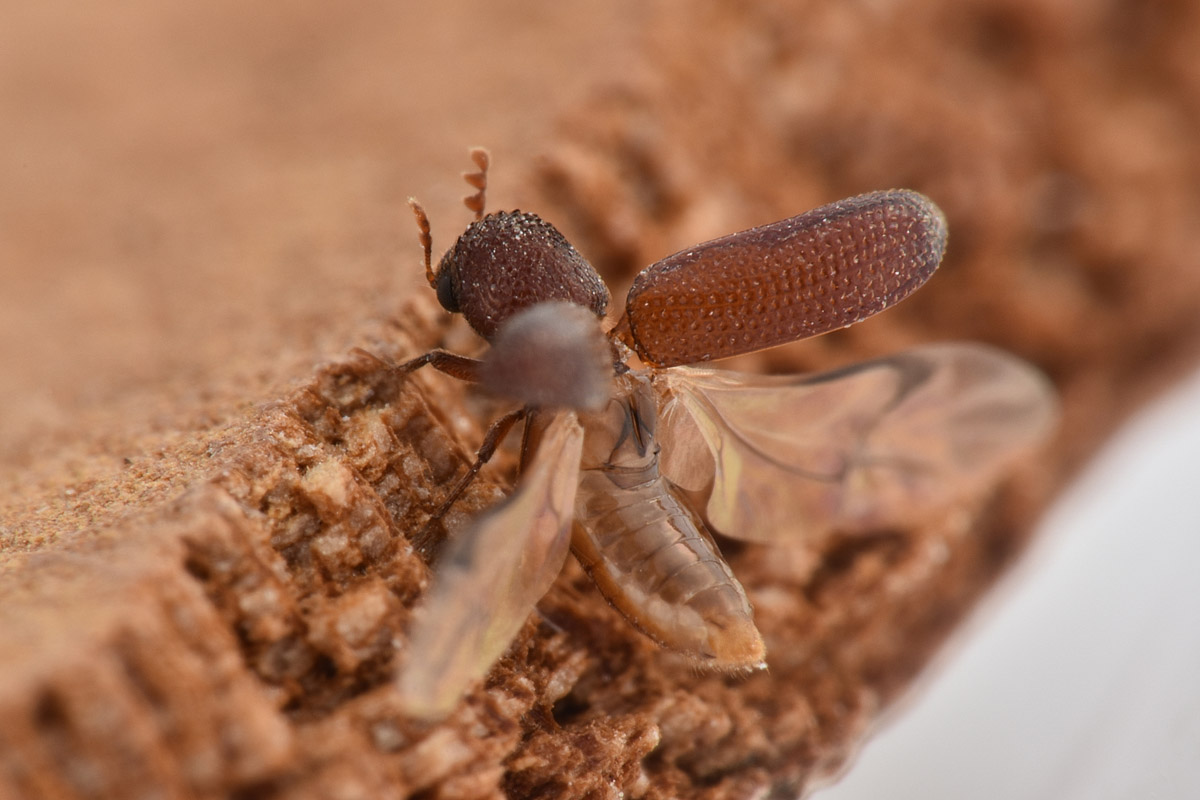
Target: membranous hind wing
x=492 y=574
x=877 y=444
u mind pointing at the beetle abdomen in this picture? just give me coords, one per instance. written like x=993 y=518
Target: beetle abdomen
x=789 y=280
x=654 y=561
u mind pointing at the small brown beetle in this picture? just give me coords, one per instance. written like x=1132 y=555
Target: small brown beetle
x=632 y=467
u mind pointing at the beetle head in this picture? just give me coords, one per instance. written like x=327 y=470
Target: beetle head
x=509 y=261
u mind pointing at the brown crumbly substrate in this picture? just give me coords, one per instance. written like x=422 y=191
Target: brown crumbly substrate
x=222 y=614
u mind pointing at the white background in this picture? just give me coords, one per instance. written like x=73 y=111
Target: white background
x=1080 y=677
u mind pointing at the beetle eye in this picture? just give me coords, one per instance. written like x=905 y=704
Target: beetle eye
x=445 y=288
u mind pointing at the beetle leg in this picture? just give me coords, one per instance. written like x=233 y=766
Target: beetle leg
x=452 y=364
x=491 y=440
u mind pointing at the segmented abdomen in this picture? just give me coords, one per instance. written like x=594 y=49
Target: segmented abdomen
x=656 y=563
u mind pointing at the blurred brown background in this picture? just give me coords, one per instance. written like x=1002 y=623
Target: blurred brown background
x=198 y=203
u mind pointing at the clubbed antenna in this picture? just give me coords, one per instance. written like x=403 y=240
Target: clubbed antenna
x=424 y=238
x=475 y=202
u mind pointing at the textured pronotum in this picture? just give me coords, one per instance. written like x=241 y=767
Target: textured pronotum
x=789 y=280
x=509 y=261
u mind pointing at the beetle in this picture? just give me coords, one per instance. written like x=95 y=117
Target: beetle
x=632 y=456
